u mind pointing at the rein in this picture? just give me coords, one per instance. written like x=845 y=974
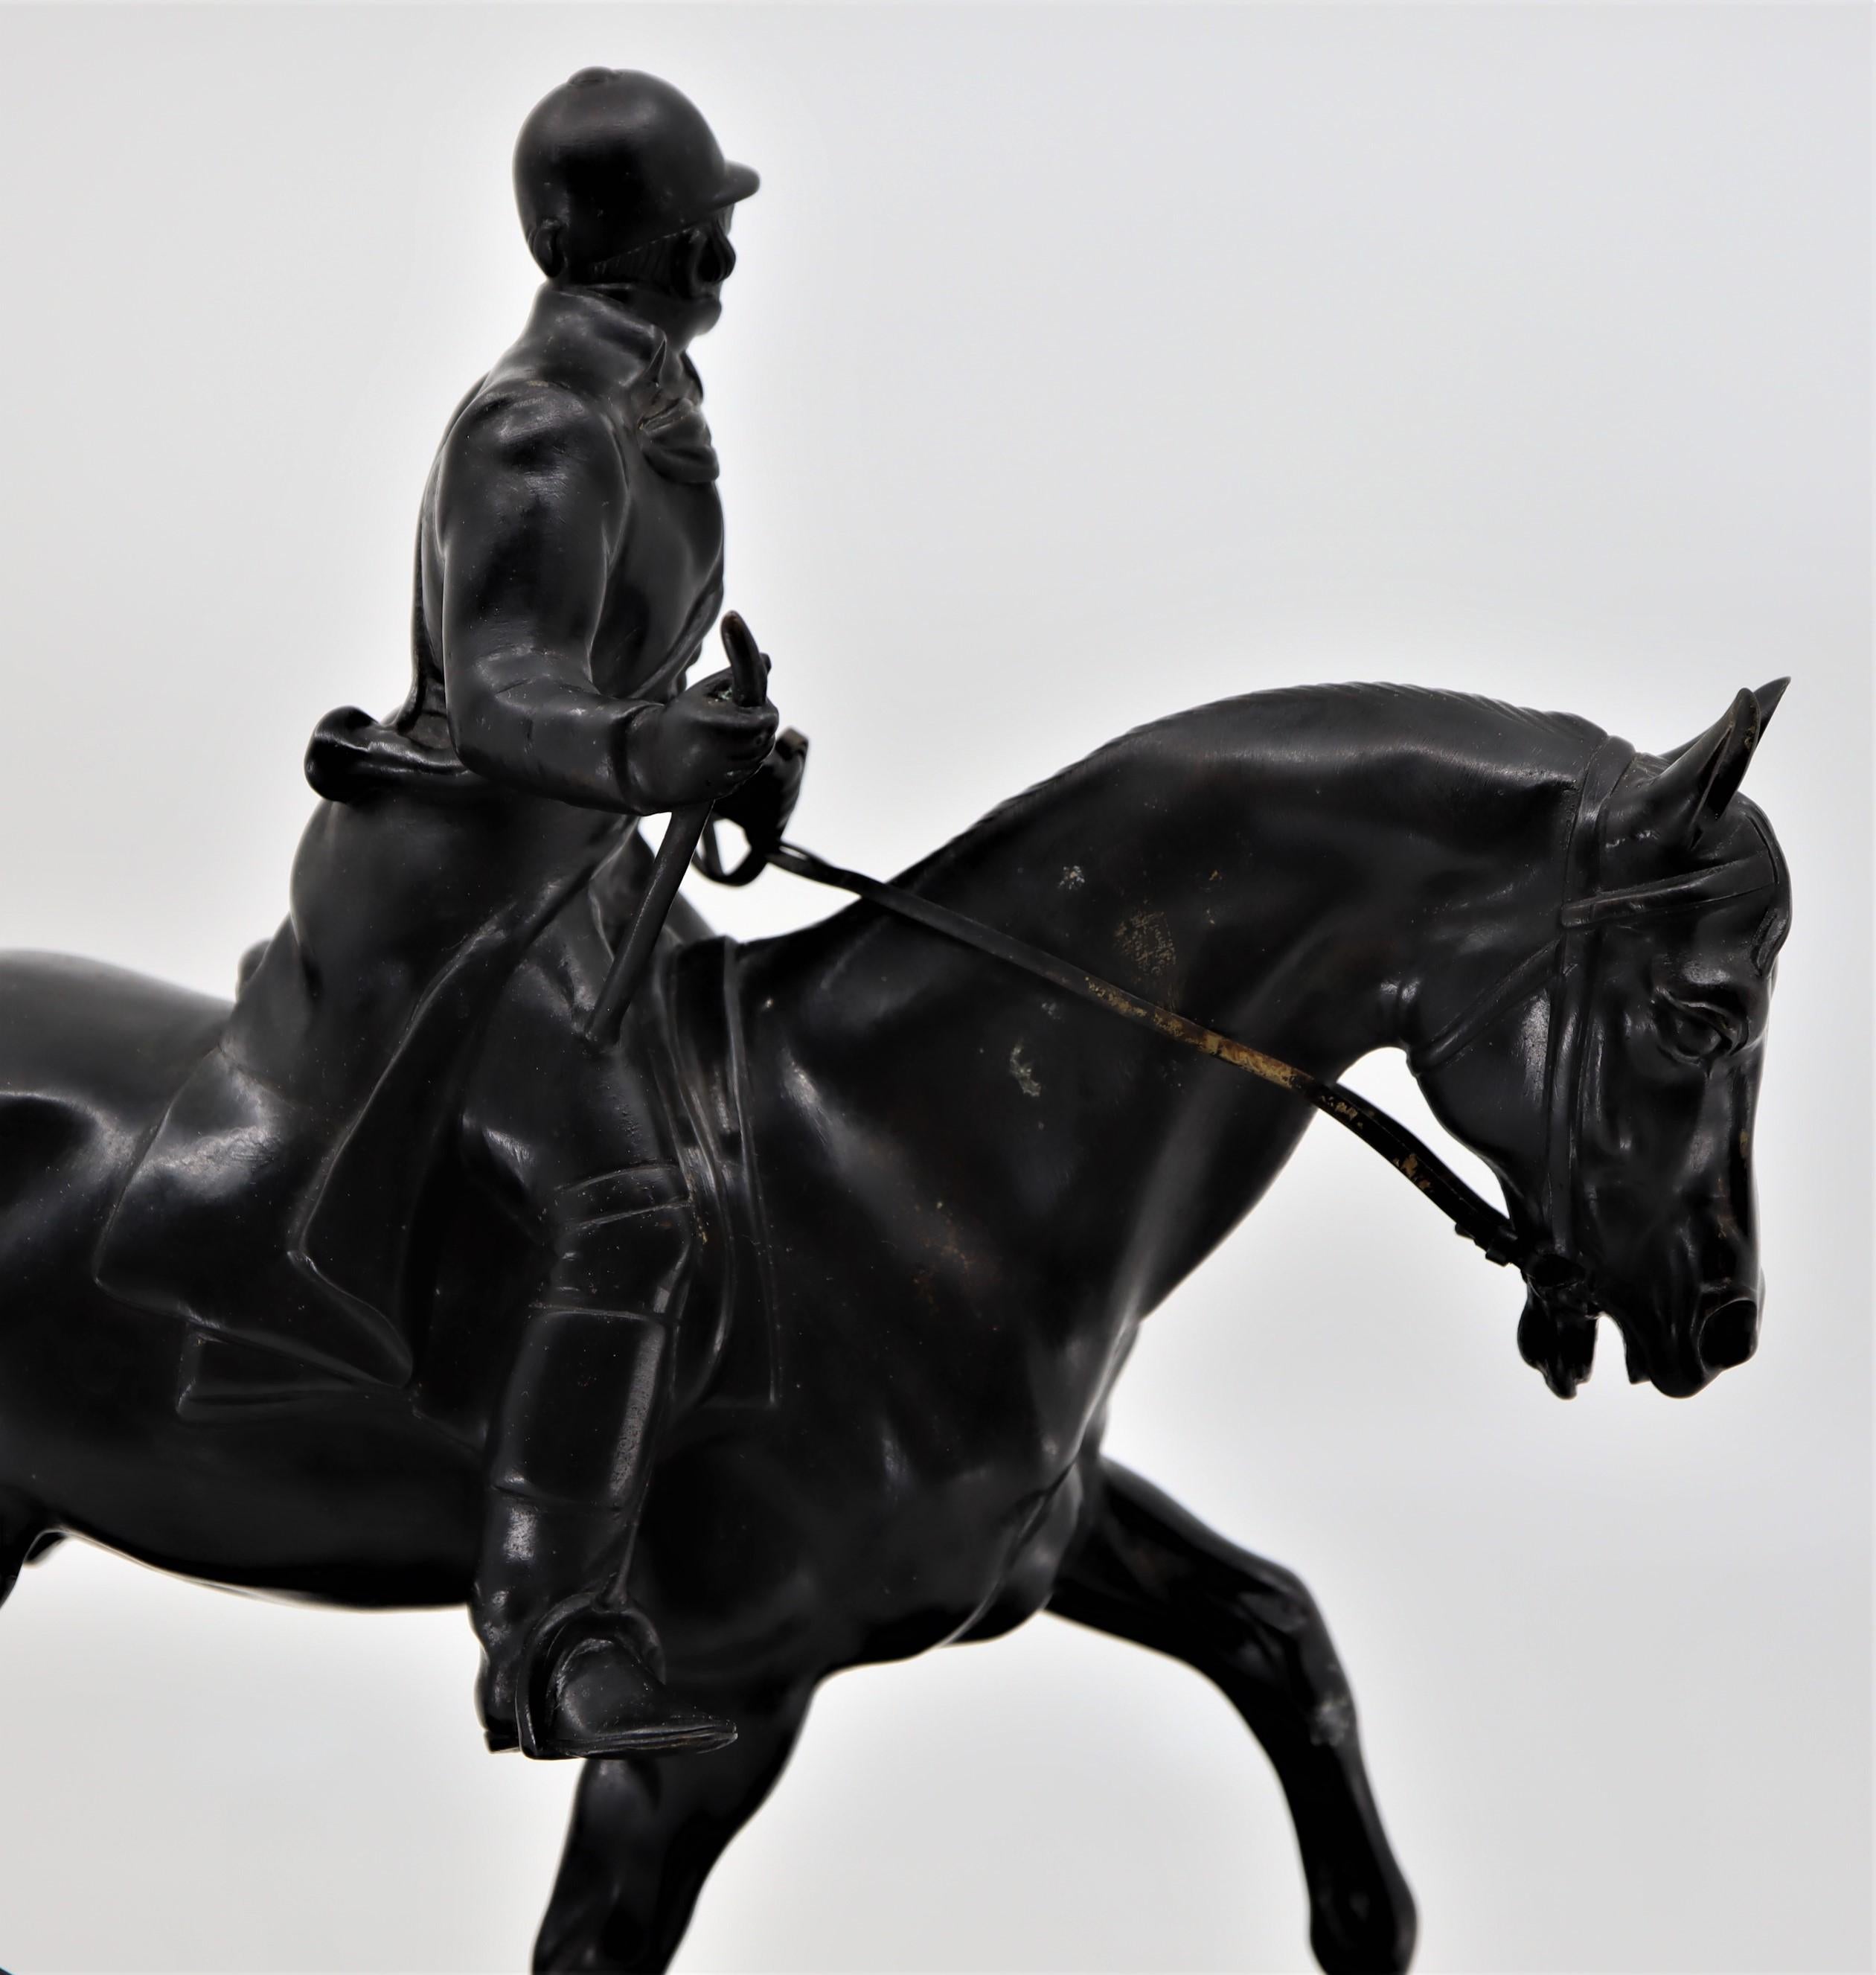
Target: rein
x=1471 y=1216
x=1557 y=966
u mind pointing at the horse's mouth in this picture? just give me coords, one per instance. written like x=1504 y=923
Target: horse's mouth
x=1558 y=1338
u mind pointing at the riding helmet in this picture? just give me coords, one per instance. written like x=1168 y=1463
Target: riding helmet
x=614 y=159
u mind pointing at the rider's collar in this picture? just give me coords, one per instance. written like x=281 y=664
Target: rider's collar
x=657 y=387
x=604 y=318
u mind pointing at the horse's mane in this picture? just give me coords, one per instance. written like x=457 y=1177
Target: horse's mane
x=1395 y=721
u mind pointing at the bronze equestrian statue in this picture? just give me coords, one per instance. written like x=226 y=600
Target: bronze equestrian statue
x=774 y=1333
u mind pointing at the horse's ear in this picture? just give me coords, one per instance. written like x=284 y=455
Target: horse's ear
x=1698 y=781
x=1768 y=697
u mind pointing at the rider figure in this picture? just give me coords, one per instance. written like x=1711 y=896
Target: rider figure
x=568 y=566
x=572 y=543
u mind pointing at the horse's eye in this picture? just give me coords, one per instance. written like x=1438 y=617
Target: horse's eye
x=1691 y=1033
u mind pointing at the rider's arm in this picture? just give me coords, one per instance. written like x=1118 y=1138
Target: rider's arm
x=531 y=504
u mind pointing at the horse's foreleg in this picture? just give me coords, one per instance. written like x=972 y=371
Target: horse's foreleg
x=645 y=1835
x=1141 y=1569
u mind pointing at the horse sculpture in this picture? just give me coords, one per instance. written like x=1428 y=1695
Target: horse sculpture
x=939 y=1198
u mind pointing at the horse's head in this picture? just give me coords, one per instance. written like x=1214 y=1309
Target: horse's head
x=1609 y=1077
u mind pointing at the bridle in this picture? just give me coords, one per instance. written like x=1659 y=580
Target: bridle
x=1558 y=965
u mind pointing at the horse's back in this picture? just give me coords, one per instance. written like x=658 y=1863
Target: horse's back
x=350 y=1498
x=85 y=1031
x=90 y=1054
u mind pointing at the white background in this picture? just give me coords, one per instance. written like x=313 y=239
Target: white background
x=1082 y=366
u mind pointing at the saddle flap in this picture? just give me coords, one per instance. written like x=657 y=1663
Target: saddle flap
x=727 y=1352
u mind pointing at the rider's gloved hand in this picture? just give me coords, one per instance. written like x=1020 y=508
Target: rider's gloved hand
x=760 y=809
x=699 y=746
x=764 y=804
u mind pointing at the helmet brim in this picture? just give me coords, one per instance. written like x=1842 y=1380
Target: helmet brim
x=739 y=183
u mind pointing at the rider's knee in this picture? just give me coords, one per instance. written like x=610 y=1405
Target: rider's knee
x=622 y=1240
x=586 y=1387
x=595 y=1358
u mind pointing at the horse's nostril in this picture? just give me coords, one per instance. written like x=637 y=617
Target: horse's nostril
x=1729 y=1334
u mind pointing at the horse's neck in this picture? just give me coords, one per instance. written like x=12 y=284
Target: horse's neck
x=1304 y=870
x=1314 y=863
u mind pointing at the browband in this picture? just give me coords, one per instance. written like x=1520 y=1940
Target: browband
x=1733 y=880
x=1736 y=879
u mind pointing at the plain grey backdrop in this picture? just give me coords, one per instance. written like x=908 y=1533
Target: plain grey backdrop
x=1082 y=365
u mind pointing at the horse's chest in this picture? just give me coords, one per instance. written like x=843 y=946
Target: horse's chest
x=939 y=1384
x=964 y=1488
x=969 y=1558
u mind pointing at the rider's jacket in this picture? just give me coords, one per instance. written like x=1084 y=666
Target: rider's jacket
x=569 y=564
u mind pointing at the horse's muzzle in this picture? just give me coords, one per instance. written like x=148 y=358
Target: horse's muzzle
x=1724 y=1333
x=1727 y=1335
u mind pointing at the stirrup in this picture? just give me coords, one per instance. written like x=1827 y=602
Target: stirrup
x=638 y=1717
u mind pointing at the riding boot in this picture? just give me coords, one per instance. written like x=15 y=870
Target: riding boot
x=570 y=1668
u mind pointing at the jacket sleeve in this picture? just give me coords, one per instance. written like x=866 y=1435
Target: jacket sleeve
x=531 y=506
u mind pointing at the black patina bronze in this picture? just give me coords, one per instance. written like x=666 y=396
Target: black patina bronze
x=503 y=1188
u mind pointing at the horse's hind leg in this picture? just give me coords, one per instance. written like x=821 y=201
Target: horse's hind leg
x=645 y=1835
x=1141 y=1569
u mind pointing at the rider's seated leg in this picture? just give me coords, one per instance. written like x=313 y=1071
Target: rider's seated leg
x=577 y=1147
x=569 y=1669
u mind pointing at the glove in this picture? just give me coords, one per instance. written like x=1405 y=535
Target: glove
x=697 y=747
x=760 y=808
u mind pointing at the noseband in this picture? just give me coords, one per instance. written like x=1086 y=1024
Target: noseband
x=1558 y=965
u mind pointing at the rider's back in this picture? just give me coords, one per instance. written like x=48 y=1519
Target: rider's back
x=580 y=467
x=588 y=394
